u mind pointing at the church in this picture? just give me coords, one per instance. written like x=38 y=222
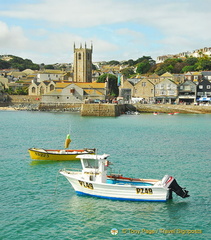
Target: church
x=81 y=88
x=82 y=70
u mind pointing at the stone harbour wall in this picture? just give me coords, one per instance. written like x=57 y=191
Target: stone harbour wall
x=71 y=107
x=103 y=110
x=33 y=103
x=171 y=108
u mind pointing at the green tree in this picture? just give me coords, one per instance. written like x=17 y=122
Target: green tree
x=127 y=72
x=144 y=59
x=130 y=62
x=188 y=69
x=9 y=91
x=4 y=64
x=113 y=62
x=206 y=64
x=94 y=67
x=143 y=67
x=191 y=61
x=113 y=89
x=49 y=66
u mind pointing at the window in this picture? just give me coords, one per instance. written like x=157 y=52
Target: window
x=171 y=92
x=90 y=163
x=208 y=86
x=51 y=87
x=200 y=86
x=187 y=88
x=79 y=56
x=33 y=90
x=42 y=90
x=143 y=84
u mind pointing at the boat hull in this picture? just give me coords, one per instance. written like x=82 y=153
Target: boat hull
x=57 y=155
x=126 y=192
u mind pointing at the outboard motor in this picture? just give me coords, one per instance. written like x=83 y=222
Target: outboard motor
x=171 y=183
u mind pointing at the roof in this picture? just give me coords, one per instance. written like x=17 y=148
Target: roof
x=53 y=92
x=61 y=85
x=167 y=74
x=89 y=156
x=51 y=71
x=206 y=73
x=90 y=85
x=154 y=75
x=92 y=91
x=28 y=71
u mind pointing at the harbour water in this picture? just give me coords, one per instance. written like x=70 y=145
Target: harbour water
x=38 y=203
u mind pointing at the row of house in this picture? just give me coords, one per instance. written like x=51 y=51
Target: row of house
x=166 y=91
x=196 y=53
x=167 y=88
x=53 y=85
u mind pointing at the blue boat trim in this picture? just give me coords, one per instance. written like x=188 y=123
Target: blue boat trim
x=119 y=182
x=122 y=199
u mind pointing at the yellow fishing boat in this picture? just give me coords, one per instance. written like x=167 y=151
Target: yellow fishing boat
x=57 y=155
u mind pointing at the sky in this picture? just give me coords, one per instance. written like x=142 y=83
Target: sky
x=45 y=31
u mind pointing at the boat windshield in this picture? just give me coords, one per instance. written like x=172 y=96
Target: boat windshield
x=90 y=163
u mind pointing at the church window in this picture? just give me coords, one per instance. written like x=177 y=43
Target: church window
x=41 y=90
x=51 y=87
x=79 y=56
x=33 y=90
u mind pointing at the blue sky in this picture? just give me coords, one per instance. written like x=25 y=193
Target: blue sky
x=45 y=30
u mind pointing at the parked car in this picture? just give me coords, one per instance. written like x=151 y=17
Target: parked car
x=97 y=101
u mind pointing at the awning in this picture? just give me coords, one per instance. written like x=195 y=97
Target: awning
x=203 y=99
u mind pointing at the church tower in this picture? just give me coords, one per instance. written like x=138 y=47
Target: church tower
x=82 y=64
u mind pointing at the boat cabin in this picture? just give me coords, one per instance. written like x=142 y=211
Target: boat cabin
x=94 y=167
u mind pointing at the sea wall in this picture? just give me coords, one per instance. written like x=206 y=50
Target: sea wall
x=169 y=108
x=103 y=110
x=24 y=102
x=71 y=107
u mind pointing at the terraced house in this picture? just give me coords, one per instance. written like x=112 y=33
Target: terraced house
x=166 y=92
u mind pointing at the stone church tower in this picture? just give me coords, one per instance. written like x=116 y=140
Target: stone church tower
x=82 y=66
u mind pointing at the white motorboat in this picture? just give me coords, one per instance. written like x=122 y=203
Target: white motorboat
x=93 y=180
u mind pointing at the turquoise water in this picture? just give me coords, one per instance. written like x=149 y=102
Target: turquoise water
x=38 y=203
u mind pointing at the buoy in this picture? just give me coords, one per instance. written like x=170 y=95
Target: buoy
x=67 y=141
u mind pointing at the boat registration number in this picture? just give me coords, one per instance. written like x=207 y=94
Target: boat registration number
x=144 y=191
x=86 y=184
x=41 y=154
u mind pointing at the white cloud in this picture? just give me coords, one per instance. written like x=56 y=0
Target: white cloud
x=117 y=28
x=11 y=37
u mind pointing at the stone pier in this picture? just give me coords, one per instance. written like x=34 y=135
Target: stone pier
x=102 y=110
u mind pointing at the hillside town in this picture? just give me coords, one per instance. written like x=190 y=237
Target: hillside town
x=79 y=83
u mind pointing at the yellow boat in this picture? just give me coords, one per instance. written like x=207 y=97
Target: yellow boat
x=57 y=155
